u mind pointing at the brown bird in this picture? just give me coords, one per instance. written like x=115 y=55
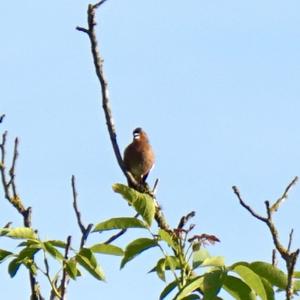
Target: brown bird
x=138 y=156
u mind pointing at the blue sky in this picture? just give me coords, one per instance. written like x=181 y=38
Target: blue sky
x=216 y=86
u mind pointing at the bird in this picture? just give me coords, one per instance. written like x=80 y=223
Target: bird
x=139 y=156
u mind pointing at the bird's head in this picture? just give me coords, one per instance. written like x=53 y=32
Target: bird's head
x=139 y=134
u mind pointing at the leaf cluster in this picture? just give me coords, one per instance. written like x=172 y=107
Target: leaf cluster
x=185 y=264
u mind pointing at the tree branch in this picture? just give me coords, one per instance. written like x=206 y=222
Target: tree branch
x=287 y=255
x=99 y=69
x=10 y=193
x=64 y=280
x=99 y=4
x=246 y=206
x=284 y=196
x=85 y=230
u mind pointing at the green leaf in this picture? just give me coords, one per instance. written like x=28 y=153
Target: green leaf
x=190 y=287
x=192 y=297
x=199 y=256
x=71 y=268
x=13 y=267
x=88 y=261
x=135 y=248
x=167 y=237
x=168 y=289
x=160 y=269
x=275 y=276
x=53 y=251
x=296 y=274
x=27 y=252
x=296 y=285
x=107 y=249
x=215 y=261
x=4 y=231
x=119 y=223
x=167 y=263
x=269 y=289
x=31 y=244
x=19 y=233
x=24 y=257
x=57 y=243
x=4 y=254
x=143 y=203
x=212 y=284
x=238 y=288
x=252 y=279
x=30 y=265
x=172 y=263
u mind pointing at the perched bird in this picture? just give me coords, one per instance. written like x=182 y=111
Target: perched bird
x=138 y=156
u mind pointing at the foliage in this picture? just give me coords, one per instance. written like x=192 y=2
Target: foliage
x=191 y=272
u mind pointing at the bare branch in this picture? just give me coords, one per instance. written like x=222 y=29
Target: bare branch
x=99 y=69
x=75 y=206
x=115 y=236
x=2 y=118
x=64 y=280
x=98 y=63
x=12 y=169
x=251 y=211
x=284 y=196
x=99 y=4
x=9 y=186
x=84 y=230
x=85 y=235
x=289 y=257
x=2 y=167
x=82 y=29
x=290 y=240
x=10 y=193
x=155 y=186
x=274 y=258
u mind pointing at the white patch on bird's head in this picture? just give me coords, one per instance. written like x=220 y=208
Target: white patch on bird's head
x=136 y=136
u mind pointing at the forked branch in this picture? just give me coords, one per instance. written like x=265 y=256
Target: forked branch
x=290 y=257
x=8 y=180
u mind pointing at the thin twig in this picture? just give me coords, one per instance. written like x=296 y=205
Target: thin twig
x=284 y=196
x=290 y=240
x=85 y=231
x=155 y=186
x=118 y=234
x=65 y=276
x=75 y=206
x=115 y=236
x=2 y=118
x=99 y=4
x=54 y=290
x=12 y=169
x=85 y=235
x=2 y=167
x=274 y=259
